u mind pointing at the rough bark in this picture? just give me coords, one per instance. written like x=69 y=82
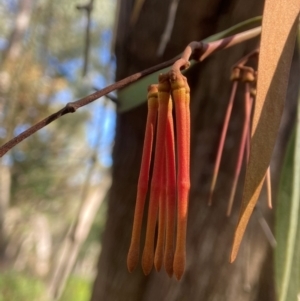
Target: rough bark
x=208 y=274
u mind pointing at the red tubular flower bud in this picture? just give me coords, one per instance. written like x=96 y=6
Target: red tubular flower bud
x=188 y=118
x=183 y=180
x=133 y=254
x=171 y=193
x=159 y=251
x=163 y=100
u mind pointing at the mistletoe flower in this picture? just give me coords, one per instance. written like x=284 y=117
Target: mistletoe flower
x=169 y=192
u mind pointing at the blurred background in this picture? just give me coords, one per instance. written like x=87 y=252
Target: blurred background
x=53 y=185
x=67 y=201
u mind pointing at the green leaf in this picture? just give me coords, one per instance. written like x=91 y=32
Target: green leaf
x=287 y=253
x=287 y=231
x=279 y=28
x=135 y=94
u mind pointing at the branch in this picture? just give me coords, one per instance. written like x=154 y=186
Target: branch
x=196 y=50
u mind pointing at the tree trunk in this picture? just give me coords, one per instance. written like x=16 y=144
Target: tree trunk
x=208 y=274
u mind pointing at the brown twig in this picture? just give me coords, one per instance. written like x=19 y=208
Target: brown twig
x=244 y=60
x=222 y=140
x=247 y=108
x=228 y=42
x=203 y=50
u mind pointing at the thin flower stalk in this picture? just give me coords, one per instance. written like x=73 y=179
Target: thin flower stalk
x=171 y=193
x=235 y=77
x=156 y=183
x=248 y=107
x=183 y=161
x=133 y=254
x=247 y=151
x=252 y=96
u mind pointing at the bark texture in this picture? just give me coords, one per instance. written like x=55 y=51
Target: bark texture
x=208 y=274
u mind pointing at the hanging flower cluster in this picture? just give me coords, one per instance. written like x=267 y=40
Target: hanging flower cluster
x=169 y=191
x=246 y=76
x=170 y=183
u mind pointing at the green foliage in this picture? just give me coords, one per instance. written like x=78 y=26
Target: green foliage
x=16 y=286
x=77 y=289
x=287 y=253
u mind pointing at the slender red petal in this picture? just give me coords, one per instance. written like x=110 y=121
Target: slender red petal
x=163 y=100
x=248 y=107
x=159 y=251
x=183 y=182
x=222 y=141
x=171 y=194
x=133 y=254
x=188 y=117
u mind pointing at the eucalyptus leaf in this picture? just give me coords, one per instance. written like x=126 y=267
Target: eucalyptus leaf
x=284 y=221
x=279 y=29
x=287 y=255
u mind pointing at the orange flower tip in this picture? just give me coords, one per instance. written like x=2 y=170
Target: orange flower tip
x=147 y=263
x=157 y=264
x=179 y=265
x=170 y=272
x=152 y=89
x=178 y=274
x=132 y=260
